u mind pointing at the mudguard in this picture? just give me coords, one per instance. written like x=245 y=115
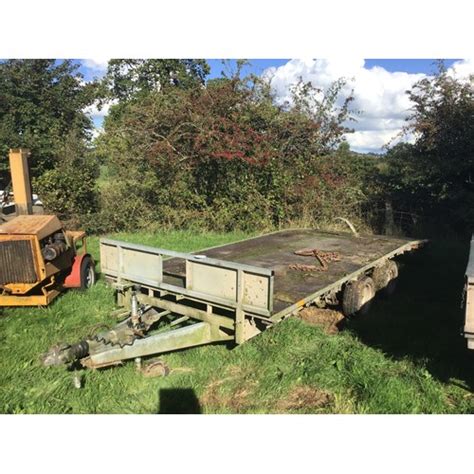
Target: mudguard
x=73 y=280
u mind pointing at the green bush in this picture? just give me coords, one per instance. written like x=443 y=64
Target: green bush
x=69 y=189
x=225 y=157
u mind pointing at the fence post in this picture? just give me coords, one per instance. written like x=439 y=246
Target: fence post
x=389 y=222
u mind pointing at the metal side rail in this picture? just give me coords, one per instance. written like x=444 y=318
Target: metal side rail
x=225 y=294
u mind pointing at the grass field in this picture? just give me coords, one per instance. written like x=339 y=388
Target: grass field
x=404 y=356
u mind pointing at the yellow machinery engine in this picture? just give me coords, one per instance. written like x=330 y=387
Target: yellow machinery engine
x=38 y=258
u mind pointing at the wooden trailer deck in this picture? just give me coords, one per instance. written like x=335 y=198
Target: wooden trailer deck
x=276 y=252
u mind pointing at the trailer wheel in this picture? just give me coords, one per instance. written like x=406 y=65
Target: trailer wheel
x=357 y=296
x=385 y=277
x=87 y=273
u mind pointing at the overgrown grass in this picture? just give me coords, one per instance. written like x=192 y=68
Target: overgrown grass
x=405 y=356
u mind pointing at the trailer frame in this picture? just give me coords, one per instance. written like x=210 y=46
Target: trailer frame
x=214 y=300
x=173 y=300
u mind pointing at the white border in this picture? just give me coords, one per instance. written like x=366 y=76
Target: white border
x=235 y=443
x=225 y=29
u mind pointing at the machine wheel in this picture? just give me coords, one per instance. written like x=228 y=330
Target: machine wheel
x=87 y=273
x=385 y=277
x=357 y=296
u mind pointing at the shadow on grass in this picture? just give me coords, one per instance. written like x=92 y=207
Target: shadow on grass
x=178 y=401
x=423 y=319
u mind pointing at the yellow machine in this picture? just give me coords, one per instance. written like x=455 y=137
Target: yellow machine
x=38 y=257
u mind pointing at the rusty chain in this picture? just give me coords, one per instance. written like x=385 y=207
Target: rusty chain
x=323 y=257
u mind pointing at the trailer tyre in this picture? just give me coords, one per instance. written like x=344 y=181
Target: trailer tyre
x=87 y=273
x=357 y=296
x=385 y=277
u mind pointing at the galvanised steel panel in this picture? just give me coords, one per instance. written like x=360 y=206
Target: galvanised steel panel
x=209 y=280
x=213 y=281
x=256 y=291
x=142 y=267
x=137 y=266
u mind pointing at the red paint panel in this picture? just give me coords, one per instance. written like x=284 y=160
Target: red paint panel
x=73 y=280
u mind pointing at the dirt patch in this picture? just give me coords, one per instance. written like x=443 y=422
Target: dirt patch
x=237 y=400
x=154 y=368
x=305 y=397
x=331 y=321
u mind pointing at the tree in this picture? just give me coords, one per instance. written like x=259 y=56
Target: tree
x=130 y=78
x=327 y=118
x=69 y=189
x=224 y=155
x=442 y=116
x=41 y=102
x=435 y=175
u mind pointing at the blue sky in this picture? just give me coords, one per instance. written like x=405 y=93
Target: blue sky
x=392 y=65
x=378 y=85
x=259 y=65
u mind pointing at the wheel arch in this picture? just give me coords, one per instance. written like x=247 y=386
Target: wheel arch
x=73 y=280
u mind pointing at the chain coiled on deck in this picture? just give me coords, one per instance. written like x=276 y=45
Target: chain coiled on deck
x=323 y=257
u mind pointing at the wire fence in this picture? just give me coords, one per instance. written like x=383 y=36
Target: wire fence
x=394 y=221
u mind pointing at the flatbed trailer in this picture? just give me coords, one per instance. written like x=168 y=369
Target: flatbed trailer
x=173 y=300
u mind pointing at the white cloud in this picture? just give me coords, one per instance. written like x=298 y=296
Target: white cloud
x=375 y=140
x=97 y=116
x=380 y=95
x=93 y=110
x=96 y=65
x=96 y=132
x=462 y=69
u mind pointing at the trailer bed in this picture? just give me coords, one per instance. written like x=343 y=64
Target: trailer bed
x=276 y=252
x=227 y=293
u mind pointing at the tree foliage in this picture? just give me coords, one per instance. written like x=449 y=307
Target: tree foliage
x=41 y=102
x=131 y=78
x=434 y=176
x=70 y=188
x=226 y=156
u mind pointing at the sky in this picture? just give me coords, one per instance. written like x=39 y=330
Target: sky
x=379 y=87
